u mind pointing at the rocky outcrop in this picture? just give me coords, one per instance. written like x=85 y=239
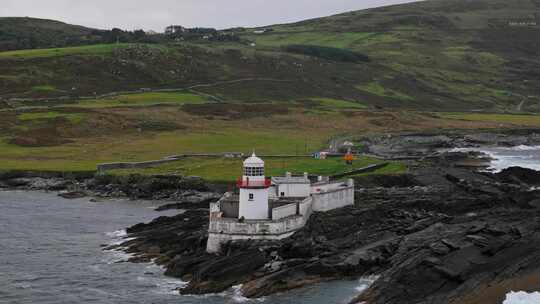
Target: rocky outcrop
x=441 y=234
x=420 y=145
x=182 y=192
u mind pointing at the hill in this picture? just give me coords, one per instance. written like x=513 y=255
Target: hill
x=18 y=33
x=283 y=89
x=28 y=33
x=439 y=55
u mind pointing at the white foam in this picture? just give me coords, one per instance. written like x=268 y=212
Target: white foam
x=120 y=241
x=117 y=233
x=365 y=282
x=117 y=256
x=506 y=157
x=522 y=148
x=522 y=297
x=235 y=293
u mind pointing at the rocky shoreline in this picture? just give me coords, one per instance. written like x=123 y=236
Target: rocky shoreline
x=422 y=145
x=442 y=233
x=168 y=189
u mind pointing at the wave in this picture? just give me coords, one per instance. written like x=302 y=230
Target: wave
x=117 y=233
x=521 y=148
x=506 y=157
x=522 y=297
x=365 y=283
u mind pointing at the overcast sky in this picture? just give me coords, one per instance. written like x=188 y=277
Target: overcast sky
x=156 y=14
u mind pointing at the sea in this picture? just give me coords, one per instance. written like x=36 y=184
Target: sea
x=51 y=251
x=505 y=157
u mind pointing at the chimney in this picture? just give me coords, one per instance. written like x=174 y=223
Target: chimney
x=306 y=175
x=288 y=174
x=320 y=178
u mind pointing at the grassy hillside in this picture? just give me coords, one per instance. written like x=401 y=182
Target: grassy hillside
x=438 y=55
x=16 y=33
x=467 y=54
x=421 y=66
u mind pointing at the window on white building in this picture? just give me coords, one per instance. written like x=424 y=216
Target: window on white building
x=251 y=196
x=253 y=171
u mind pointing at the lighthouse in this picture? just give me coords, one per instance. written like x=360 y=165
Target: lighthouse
x=253 y=187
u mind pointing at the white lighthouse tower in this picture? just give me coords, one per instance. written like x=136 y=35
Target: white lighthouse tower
x=254 y=190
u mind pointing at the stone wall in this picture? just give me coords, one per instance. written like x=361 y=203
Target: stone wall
x=101 y=168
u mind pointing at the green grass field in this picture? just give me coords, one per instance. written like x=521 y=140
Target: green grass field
x=228 y=170
x=377 y=89
x=85 y=153
x=44 y=88
x=58 y=52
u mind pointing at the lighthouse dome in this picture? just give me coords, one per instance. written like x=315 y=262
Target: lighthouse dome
x=253 y=161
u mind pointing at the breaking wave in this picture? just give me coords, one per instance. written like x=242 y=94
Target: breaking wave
x=506 y=157
x=522 y=297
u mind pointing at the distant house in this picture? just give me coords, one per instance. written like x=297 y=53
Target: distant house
x=174 y=29
x=348 y=144
x=233 y=154
x=262 y=31
x=321 y=154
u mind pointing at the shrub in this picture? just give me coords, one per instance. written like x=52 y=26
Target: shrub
x=328 y=53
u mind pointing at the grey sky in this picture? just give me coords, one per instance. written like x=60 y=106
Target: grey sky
x=156 y=14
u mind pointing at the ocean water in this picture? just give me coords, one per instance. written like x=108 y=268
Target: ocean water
x=51 y=252
x=506 y=157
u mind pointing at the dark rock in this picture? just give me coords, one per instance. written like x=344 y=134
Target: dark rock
x=439 y=248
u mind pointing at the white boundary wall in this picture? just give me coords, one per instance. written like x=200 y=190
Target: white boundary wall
x=293 y=190
x=332 y=196
x=222 y=230
x=284 y=211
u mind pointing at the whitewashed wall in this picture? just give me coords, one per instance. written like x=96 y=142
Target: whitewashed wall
x=326 y=201
x=257 y=209
x=283 y=211
x=294 y=190
x=222 y=230
x=306 y=208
